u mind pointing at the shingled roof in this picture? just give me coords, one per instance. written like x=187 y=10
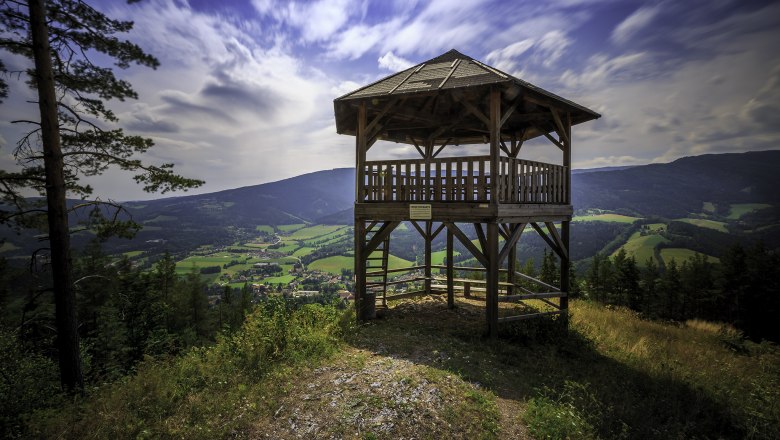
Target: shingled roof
x=429 y=92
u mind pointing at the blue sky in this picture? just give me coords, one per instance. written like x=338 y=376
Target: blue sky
x=245 y=89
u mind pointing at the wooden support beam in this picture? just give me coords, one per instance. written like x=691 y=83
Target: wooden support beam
x=504 y=148
x=417 y=146
x=561 y=129
x=380 y=236
x=561 y=251
x=539 y=282
x=552 y=244
x=528 y=316
x=360 y=156
x=419 y=229
x=467 y=243
x=450 y=270
x=381 y=114
x=364 y=310
x=495 y=138
x=511 y=109
x=553 y=140
x=481 y=236
x=511 y=242
x=491 y=277
x=428 y=254
x=436 y=232
x=459 y=97
x=441 y=147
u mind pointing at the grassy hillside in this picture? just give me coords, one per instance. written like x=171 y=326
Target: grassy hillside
x=426 y=372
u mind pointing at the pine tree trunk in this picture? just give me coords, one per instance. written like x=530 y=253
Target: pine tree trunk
x=59 y=240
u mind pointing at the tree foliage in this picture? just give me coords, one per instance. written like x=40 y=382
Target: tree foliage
x=76 y=135
x=92 y=141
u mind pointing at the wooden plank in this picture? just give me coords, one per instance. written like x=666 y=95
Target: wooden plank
x=379 y=237
x=469 y=195
x=561 y=251
x=547 y=239
x=491 y=308
x=450 y=270
x=539 y=282
x=467 y=243
x=527 y=316
x=511 y=242
x=516 y=298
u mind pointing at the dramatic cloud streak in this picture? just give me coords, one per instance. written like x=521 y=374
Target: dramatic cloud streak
x=244 y=93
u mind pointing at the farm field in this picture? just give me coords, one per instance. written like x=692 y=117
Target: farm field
x=680 y=255
x=336 y=263
x=291 y=228
x=268 y=229
x=437 y=257
x=740 y=209
x=642 y=247
x=615 y=218
x=704 y=223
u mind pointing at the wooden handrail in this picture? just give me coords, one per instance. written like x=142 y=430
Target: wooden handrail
x=465 y=179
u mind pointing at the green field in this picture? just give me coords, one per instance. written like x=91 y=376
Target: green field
x=7 y=247
x=642 y=247
x=291 y=228
x=289 y=247
x=301 y=252
x=703 y=223
x=336 y=263
x=132 y=254
x=284 y=279
x=268 y=229
x=708 y=207
x=740 y=209
x=317 y=231
x=680 y=255
x=437 y=258
x=615 y=218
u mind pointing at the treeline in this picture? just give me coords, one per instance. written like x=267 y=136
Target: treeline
x=124 y=313
x=743 y=289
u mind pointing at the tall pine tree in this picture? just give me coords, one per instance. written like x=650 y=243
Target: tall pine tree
x=63 y=39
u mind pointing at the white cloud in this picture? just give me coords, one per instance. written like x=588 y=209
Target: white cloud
x=634 y=23
x=504 y=59
x=551 y=46
x=393 y=63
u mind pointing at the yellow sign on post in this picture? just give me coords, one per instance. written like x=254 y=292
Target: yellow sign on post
x=419 y=212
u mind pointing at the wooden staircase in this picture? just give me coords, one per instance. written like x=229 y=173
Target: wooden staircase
x=376 y=271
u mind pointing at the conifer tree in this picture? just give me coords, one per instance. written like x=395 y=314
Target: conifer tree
x=63 y=39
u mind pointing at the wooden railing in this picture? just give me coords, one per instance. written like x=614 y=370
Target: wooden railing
x=464 y=179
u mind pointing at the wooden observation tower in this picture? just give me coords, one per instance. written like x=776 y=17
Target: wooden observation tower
x=453 y=102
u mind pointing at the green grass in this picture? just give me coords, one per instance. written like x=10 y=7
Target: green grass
x=642 y=247
x=332 y=264
x=290 y=228
x=609 y=374
x=268 y=229
x=132 y=254
x=615 y=218
x=303 y=251
x=738 y=210
x=680 y=255
x=315 y=231
x=708 y=207
x=284 y=279
x=288 y=248
x=438 y=257
x=7 y=247
x=704 y=223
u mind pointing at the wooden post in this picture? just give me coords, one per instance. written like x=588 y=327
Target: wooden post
x=492 y=279
x=428 y=239
x=495 y=147
x=565 y=266
x=363 y=310
x=450 y=271
x=510 y=278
